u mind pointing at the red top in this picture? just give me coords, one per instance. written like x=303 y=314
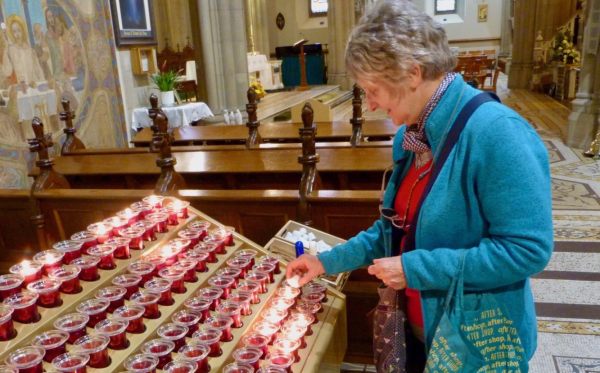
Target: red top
x=408 y=196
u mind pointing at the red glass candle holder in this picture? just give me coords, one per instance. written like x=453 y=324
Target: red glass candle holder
x=141 y=363
x=135 y=235
x=257 y=341
x=121 y=245
x=198 y=353
x=129 y=281
x=287 y=292
x=315 y=287
x=266 y=268
x=173 y=249
x=288 y=347
x=199 y=257
x=86 y=239
x=231 y=272
x=180 y=366
x=315 y=297
x=271 y=369
x=27 y=359
x=149 y=301
x=181 y=207
x=274 y=315
x=88 y=267
x=142 y=268
x=115 y=330
x=237 y=368
x=144 y=208
x=114 y=294
x=160 y=221
x=267 y=329
x=232 y=310
x=223 y=323
x=175 y=275
x=199 y=306
x=28 y=270
x=199 y=225
x=216 y=241
x=71 y=249
x=95 y=309
x=10 y=284
x=74 y=324
x=249 y=254
x=282 y=303
x=224 y=234
x=209 y=249
x=7 y=328
x=222 y=282
x=157 y=260
x=273 y=260
x=117 y=223
x=154 y=200
x=161 y=348
x=190 y=234
x=242 y=298
x=53 y=342
x=187 y=318
x=282 y=360
x=260 y=278
x=189 y=267
x=240 y=264
x=133 y=315
x=50 y=259
x=47 y=291
x=173 y=332
x=130 y=215
x=162 y=287
x=96 y=346
x=293 y=332
x=248 y=356
x=302 y=319
x=211 y=293
x=102 y=231
x=308 y=307
x=253 y=287
x=24 y=306
x=210 y=337
x=106 y=255
x=68 y=276
x=149 y=227
x=71 y=363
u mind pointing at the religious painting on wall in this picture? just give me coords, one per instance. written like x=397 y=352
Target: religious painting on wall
x=133 y=22
x=52 y=50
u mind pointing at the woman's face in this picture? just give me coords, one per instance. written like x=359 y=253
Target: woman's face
x=400 y=103
x=17 y=32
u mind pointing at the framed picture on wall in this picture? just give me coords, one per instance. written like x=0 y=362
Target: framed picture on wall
x=133 y=22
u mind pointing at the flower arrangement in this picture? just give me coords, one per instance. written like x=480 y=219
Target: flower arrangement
x=258 y=88
x=166 y=81
x=563 y=50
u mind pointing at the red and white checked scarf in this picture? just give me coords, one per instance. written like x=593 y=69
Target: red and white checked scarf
x=414 y=138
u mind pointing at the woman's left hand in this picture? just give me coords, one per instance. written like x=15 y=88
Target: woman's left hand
x=390 y=271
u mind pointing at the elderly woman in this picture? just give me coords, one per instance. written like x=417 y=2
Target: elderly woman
x=490 y=204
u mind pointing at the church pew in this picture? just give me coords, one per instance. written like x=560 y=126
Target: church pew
x=269 y=132
x=343 y=168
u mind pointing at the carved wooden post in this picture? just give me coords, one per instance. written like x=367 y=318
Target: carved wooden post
x=152 y=112
x=357 y=120
x=47 y=178
x=72 y=142
x=253 y=135
x=169 y=180
x=310 y=178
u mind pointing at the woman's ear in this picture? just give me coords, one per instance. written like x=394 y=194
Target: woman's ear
x=415 y=77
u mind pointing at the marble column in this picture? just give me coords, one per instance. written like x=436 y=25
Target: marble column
x=223 y=29
x=341 y=20
x=584 y=119
x=521 y=69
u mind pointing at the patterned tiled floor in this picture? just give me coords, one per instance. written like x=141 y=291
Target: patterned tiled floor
x=567 y=293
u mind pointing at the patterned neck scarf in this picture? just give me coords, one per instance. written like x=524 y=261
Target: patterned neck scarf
x=414 y=138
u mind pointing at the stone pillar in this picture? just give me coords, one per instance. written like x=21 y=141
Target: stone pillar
x=223 y=29
x=341 y=20
x=521 y=69
x=506 y=30
x=584 y=119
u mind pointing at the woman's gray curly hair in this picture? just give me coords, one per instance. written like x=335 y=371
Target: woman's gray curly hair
x=391 y=38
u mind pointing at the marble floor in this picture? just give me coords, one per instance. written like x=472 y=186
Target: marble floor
x=567 y=292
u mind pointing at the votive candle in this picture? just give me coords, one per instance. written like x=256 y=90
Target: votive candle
x=27 y=359
x=106 y=254
x=95 y=309
x=24 y=306
x=129 y=281
x=30 y=271
x=53 y=342
x=114 y=294
x=161 y=286
x=187 y=318
x=47 y=291
x=141 y=363
x=115 y=330
x=212 y=338
x=10 y=284
x=96 y=347
x=133 y=315
x=88 y=270
x=71 y=249
x=149 y=301
x=173 y=332
x=161 y=348
x=71 y=363
x=7 y=328
x=74 y=324
x=50 y=259
x=68 y=276
x=121 y=245
x=197 y=353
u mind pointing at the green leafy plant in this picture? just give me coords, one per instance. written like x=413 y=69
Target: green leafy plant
x=563 y=49
x=166 y=81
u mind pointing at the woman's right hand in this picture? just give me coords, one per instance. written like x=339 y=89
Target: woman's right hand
x=306 y=267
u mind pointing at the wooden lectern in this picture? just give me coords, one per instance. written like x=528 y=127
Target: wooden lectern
x=303 y=83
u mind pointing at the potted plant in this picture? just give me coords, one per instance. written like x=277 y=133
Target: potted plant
x=166 y=82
